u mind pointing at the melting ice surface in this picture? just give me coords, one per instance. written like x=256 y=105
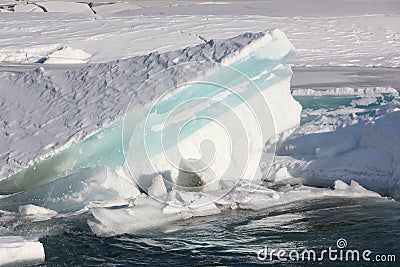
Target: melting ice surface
x=101 y=188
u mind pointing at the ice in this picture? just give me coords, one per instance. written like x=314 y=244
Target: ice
x=57 y=123
x=74 y=191
x=189 y=175
x=228 y=143
x=364 y=92
x=20 y=250
x=29 y=210
x=80 y=102
x=147 y=213
x=347 y=143
x=157 y=188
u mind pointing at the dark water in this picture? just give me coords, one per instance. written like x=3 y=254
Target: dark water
x=235 y=237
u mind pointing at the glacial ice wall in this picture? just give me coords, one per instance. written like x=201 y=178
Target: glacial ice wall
x=80 y=112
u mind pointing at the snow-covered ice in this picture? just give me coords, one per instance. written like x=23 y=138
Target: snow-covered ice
x=73 y=192
x=20 y=250
x=146 y=213
x=353 y=35
x=97 y=88
x=360 y=138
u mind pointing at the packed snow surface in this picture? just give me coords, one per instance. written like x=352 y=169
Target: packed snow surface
x=366 y=35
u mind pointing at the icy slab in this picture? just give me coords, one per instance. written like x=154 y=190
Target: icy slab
x=72 y=192
x=20 y=250
x=147 y=213
x=157 y=188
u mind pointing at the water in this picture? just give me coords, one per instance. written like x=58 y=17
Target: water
x=233 y=238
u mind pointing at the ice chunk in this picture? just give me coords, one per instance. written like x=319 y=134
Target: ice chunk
x=203 y=206
x=20 y=250
x=354 y=189
x=146 y=213
x=32 y=210
x=74 y=191
x=157 y=188
x=194 y=175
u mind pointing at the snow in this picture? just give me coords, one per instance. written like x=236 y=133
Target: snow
x=27 y=8
x=114 y=7
x=157 y=188
x=66 y=55
x=20 y=250
x=29 y=210
x=361 y=142
x=365 y=92
x=373 y=31
x=67 y=7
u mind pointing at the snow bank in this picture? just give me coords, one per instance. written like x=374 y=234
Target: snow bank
x=61 y=6
x=344 y=143
x=20 y=250
x=27 y=8
x=66 y=55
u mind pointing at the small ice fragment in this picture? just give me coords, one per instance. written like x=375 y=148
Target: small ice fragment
x=194 y=175
x=19 y=249
x=33 y=210
x=157 y=188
